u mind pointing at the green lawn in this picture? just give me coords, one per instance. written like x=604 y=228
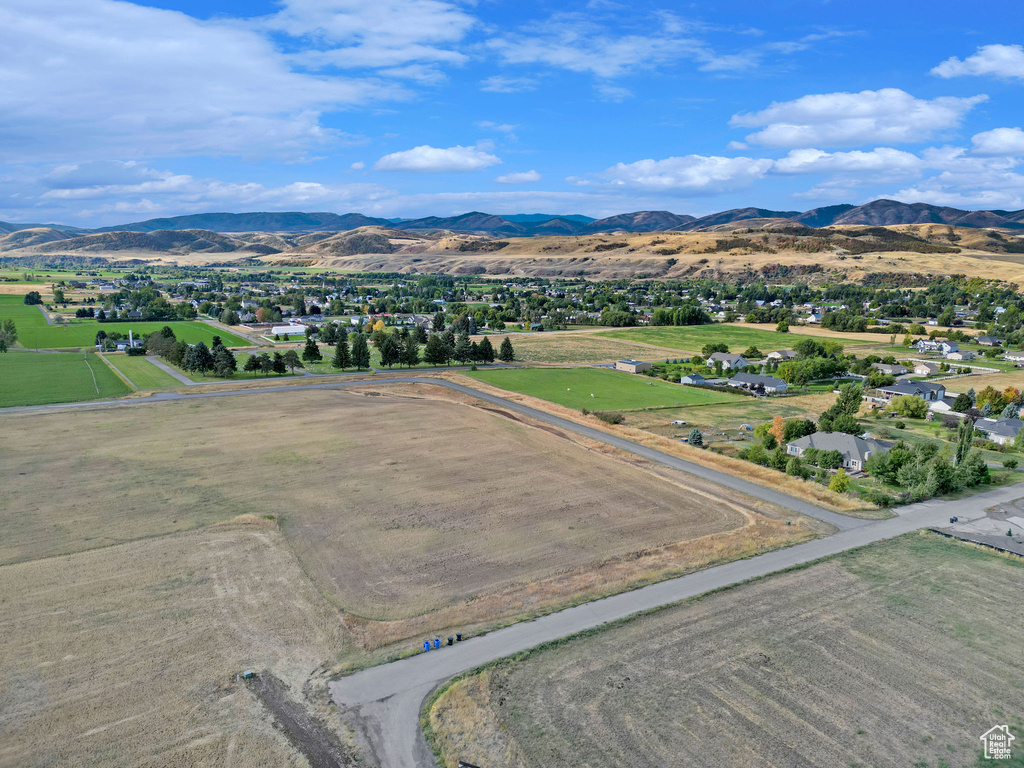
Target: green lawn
x=39 y=379
x=141 y=372
x=611 y=390
x=691 y=338
x=35 y=333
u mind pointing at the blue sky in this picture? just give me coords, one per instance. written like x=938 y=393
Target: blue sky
x=116 y=111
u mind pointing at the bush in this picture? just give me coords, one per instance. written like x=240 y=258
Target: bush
x=610 y=417
x=696 y=438
x=1010 y=463
x=135 y=351
x=840 y=482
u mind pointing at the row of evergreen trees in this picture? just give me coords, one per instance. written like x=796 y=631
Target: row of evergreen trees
x=353 y=350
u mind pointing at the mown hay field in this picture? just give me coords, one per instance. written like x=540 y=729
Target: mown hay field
x=127 y=655
x=409 y=513
x=737 y=336
x=141 y=372
x=38 y=378
x=559 y=348
x=897 y=654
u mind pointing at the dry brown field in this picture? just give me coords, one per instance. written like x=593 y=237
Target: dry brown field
x=578 y=348
x=894 y=655
x=412 y=511
x=127 y=655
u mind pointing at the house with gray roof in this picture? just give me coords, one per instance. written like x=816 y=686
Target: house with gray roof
x=729 y=361
x=989 y=341
x=892 y=370
x=926 y=390
x=1000 y=431
x=757 y=381
x=854 y=450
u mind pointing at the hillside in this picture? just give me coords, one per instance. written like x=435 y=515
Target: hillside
x=292 y=221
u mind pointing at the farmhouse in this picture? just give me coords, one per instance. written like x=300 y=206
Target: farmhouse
x=989 y=341
x=926 y=390
x=632 y=366
x=729 y=362
x=854 y=450
x=892 y=370
x=1000 y=431
x=769 y=384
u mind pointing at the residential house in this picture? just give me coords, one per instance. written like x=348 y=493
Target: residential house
x=936 y=345
x=770 y=384
x=961 y=354
x=1000 y=431
x=692 y=378
x=782 y=355
x=854 y=450
x=989 y=341
x=892 y=370
x=729 y=361
x=632 y=366
x=1014 y=356
x=926 y=390
x=926 y=369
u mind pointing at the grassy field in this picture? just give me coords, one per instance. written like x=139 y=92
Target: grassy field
x=35 y=333
x=569 y=349
x=892 y=655
x=31 y=378
x=127 y=655
x=431 y=533
x=691 y=338
x=141 y=372
x=598 y=388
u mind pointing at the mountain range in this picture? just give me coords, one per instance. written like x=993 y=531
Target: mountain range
x=876 y=213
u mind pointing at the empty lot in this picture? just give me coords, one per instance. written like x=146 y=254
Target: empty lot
x=894 y=655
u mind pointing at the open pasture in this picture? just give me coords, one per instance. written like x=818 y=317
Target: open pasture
x=599 y=388
x=572 y=349
x=141 y=372
x=409 y=513
x=40 y=378
x=691 y=338
x=893 y=655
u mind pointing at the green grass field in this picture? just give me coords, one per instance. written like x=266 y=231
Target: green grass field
x=141 y=372
x=40 y=379
x=611 y=390
x=691 y=338
x=35 y=333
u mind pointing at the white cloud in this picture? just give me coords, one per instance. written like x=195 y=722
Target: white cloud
x=358 y=165
x=998 y=60
x=889 y=116
x=499 y=127
x=428 y=159
x=693 y=174
x=999 y=141
x=384 y=33
x=881 y=161
x=95 y=79
x=501 y=84
x=523 y=177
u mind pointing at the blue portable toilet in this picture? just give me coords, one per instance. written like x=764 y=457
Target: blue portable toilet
x=426 y=645
x=437 y=642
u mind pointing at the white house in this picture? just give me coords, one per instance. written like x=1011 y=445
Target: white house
x=770 y=384
x=729 y=361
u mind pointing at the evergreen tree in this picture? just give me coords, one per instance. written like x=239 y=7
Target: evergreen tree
x=986 y=409
x=266 y=364
x=390 y=350
x=448 y=337
x=420 y=334
x=1011 y=411
x=252 y=364
x=311 y=352
x=279 y=365
x=342 y=357
x=434 y=352
x=291 y=359
x=696 y=438
x=360 y=352
x=411 y=352
x=224 y=363
x=486 y=350
x=463 y=348
x=505 y=353
x=438 y=323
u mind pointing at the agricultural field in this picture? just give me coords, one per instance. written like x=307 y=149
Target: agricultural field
x=42 y=378
x=895 y=654
x=599 y=388
x=572 y=349
x=691 y=338
x=127 y=655
x=431 y=533
x=35 y=333
x=141 y=372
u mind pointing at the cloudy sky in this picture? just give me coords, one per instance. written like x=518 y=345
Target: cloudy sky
x=112 y=111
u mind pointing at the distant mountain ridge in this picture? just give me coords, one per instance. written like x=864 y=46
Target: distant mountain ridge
x=875 y=213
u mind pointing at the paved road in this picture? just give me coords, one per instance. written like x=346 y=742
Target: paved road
x=171 y=372
x=385 y=701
